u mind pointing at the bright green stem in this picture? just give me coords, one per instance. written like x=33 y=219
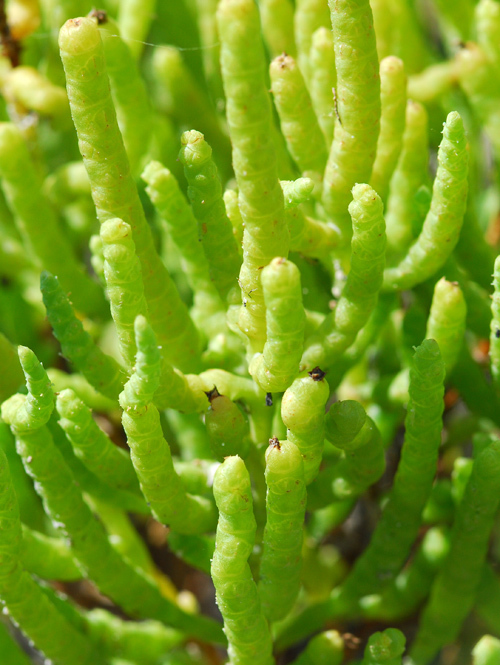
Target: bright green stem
x=150 y=453
x=214 y=228
x=359 y=296
x=446 y=323
x=277 y=366
x=349 y=428
x=133 y=108
x=113 y=188
x=92 y=446
x=390 y=544
x=299 y=124
x=392 y=123
x=352 y=153
x=181 y=225
x=323 y=79
x=453 y=593
x=303 y=413
x=280 y=569
x=227 y=428
x=48 y=558
x=444 y=220
x=124 y=285
x=143 y=642
x=309 y=16
x=309 y=236
x=277 y=26
x=46 y=241
x=250 y=120
x=24 y=600
x=245 y=626
x=100 y=370
x=410 y=174
x=135 y=18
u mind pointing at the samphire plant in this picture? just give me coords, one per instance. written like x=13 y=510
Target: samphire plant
x=274 y=360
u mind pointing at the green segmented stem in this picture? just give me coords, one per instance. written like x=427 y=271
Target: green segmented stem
x=358 y=105
x=299 y=124
x=64 y=503
x=282 y=543
x=322 y=81
x=277 y=366
x=135 y=18
x=227 y=427
x=100 y=370
x=92 y=446
x=133 y=108
x=324 y=649
x=309 y=16
x=48 y=558
x=390 y=543
x=385 y=648
x=144 y=642
x=113 y=188
x=24 y=600
x=234 y=214
x=214 y=228
x=296 y=192
x=303 y=413
x=410 y=174
x=277 y=26
x=124 y=284
x=495 y=325
x=412 y=586
x=446 y=323
x=46 y=241
x=453 y=593
x=392 y=123
x=444 y=220
x=359 y=296
x=163 y=190
x=309 y=236
x=236 y=592
x=349 y=428
x=150 y=453
x=249 y=118
x=486 y=651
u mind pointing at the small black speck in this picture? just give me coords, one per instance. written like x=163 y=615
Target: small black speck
x=497 y=333
x=269 y=399
x=317 y=374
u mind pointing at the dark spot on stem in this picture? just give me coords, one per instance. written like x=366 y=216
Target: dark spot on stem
x=274 y=442
x=212 y=394
x=269 y=399
x=317 y=374
x=100 y=14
